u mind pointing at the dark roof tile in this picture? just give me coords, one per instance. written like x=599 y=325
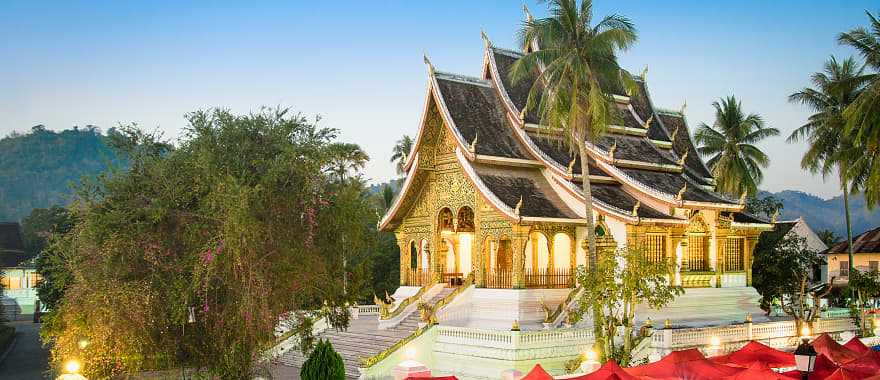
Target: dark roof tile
x=866 y=242
x=683 y=143
x=475 y=111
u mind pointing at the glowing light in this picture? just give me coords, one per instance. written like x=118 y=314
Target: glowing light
x=805 y=331
x=715 y=342
x=83 y=344
x=72 y=366
x=410 y=353
x=591 y=355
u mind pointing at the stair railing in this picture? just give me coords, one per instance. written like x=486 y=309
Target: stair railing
x=406 y=302
x=372 y=360
x=443 y=302
x=561 y=313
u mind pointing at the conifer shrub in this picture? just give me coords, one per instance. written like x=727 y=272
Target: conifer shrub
x=324 y=363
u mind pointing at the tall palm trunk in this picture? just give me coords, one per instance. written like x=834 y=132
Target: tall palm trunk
x=593 y=256
x=849 y=243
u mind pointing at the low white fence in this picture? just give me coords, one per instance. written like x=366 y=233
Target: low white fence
x=513 y=345
x=731 y=337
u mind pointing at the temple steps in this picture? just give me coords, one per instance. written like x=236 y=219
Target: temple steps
x=363 y=339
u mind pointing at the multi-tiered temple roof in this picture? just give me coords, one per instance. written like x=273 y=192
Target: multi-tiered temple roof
x=641 y=171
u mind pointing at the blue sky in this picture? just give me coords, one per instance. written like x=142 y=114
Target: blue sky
x=359 y=64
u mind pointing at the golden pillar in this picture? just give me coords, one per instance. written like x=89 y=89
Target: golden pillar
x=404 y=261
x=518 y=250
x=720 y=256
x=751 y=241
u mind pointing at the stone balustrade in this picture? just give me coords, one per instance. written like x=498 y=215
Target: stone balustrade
x=732 y=337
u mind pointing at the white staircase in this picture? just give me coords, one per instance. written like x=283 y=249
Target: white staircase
x=363 y=338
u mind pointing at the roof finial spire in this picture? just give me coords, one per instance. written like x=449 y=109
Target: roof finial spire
x=529 y=17
x=571 y=166
x=683 y=108
x=680 y=195
x=683 y=157
x=644 y=73
x=486 y=40
x=635 y=211
x=742 y=198
x=775 y=217
x=429 y=64
x=611 y=150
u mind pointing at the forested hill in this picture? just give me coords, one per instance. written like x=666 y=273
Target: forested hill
x=37 y=168
x=828 y=214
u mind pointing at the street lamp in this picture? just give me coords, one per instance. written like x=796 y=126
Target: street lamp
x=805 y=359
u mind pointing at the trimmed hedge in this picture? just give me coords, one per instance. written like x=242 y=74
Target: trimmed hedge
x=324 y=363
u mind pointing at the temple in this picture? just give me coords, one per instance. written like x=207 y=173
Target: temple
x=493 y=196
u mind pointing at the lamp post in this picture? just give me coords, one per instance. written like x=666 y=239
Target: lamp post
x=805 y=359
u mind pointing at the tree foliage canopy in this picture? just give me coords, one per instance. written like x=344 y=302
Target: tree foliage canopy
x=735 y=161
x=620 y=282
x=246 y=220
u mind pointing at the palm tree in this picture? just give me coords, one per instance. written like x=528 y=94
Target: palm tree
x=573 y=63
x=345 y=158
x=830 y=148
x=863 y=114
x=735 y=161
x=400 y=153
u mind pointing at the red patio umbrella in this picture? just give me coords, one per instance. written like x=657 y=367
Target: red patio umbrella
x=685 y=365
x=867 y=364
x=855 y=345
x=826 y=345
x=755 y=352
x=758 y=371
x=608 y=371
x=537 y=373
x=844 y=374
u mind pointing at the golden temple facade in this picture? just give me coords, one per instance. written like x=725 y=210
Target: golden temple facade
x=491 y=193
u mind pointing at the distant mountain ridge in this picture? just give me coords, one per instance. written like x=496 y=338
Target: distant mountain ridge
x=37 y=167
x=823 y=214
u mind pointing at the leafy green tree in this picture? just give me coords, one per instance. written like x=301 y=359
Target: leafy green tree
x=828 y=237
x=735 y=161
x=37 y=227
x=324 y=363
x=785 y=275
x=764 y=206
x=863 y=286
x=863 y=114
x=400 y=153
x=578 y=67
x=621 y=281
x=831 y=150
x=237 y=225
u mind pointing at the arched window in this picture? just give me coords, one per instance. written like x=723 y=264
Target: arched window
x=413 y=255
x=465 y=219
x=444 y=220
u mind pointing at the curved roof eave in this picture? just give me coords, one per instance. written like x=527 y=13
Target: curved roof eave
x=481 y=187
x=615 y=211
x=433 y=93
x=395 y=206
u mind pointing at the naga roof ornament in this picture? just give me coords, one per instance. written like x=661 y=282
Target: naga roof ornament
x=473 y=146
x=681 y=160
x=518 y=206
x=680 y=194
